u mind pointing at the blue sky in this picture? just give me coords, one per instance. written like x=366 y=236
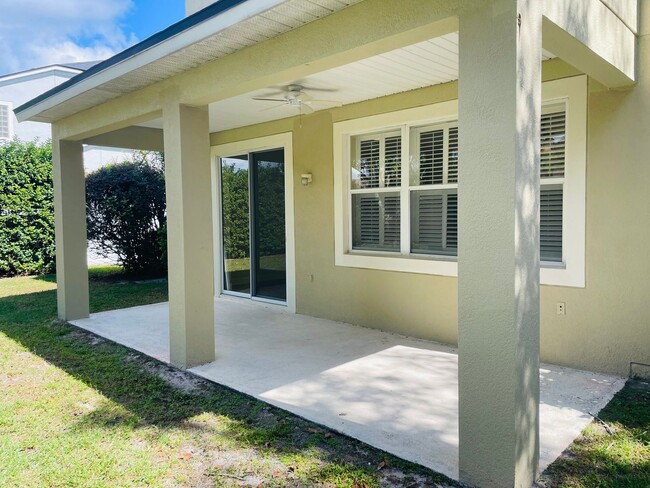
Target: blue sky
x=40 y=32
x=149 y=16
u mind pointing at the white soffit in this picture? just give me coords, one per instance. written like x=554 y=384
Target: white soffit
x=423 y=64
x=277 y=20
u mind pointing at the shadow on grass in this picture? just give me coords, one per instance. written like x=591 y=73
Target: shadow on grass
x=126 y=377
x=619 y=457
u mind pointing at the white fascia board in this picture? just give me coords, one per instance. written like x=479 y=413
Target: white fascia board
x=220 y=22
x=38 y=71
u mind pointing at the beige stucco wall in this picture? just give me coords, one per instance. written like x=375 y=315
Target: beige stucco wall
x=607 y=323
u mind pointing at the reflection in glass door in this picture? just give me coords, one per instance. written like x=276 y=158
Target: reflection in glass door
x=236 y=224
x=254 y=247
x=269 y=252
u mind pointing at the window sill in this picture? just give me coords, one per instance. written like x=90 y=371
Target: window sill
x=557 y=274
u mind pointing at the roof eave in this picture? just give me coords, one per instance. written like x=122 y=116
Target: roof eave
x=190 y=30
x=37 y=71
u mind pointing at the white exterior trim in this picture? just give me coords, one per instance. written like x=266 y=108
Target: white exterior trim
x=38 y=71
x=569 y=273
x=284 y=141
x=574 y=90
x=197 y=33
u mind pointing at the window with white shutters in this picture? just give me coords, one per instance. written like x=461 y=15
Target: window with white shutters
x=5 y=122
x=552 y=169
x=376 y=175
x=383 y=187
x=433 y=191
x=396 y=178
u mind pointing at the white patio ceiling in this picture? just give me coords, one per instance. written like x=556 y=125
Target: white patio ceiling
x=423 y=64
x=189 y=49
x=427 y=63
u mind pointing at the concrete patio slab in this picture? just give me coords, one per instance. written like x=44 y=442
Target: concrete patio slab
x=396 y=393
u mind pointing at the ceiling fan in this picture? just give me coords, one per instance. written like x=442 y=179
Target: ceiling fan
x=295 y=96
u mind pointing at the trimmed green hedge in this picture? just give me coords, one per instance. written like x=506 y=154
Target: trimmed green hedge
x=126 y=213
x=26 y=208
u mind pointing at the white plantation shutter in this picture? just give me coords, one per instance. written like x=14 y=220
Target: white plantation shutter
x=432 y=188
x=552 y=145
x=429 y=221
x=368 y=221
x=434 y=192
x=451 y=244
x=376 y=221
x=552 y=168
x=392 y=221
x=376 y=214
x=431 y=157
x=369 y=163
x=5 y=122
x=434 y=222
x=452 y=165
x=393 y=161
x=551 y=214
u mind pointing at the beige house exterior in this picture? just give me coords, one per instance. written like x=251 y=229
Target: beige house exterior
x=492 y=79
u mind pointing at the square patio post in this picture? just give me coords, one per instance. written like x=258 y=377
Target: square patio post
x=70 y=228
x=189 y=234
x=498 y=258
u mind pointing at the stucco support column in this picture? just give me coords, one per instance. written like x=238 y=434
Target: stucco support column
x=498 y=263
x=189 y=234
x=70 y=229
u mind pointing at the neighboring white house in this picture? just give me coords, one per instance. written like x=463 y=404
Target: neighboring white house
x=18 y=88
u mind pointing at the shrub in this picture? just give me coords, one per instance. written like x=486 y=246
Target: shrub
x=126 y=212
x=235 y=212
x=26 y=208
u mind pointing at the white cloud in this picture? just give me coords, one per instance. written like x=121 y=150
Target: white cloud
x=40 y=32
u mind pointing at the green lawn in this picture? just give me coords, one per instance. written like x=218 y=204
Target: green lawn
x=613 y=452
x=76 y=410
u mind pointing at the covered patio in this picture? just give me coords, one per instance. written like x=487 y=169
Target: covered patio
x=475 y=79
x=391 y=391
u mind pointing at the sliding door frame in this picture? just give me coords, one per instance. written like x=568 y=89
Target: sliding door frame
x=279 y=141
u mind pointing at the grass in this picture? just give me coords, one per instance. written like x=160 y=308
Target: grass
x=77 y=410
x=612 y=452
x=275 y=262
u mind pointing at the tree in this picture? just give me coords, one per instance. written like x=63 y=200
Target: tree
x=26 y=208
x=235 y=211
x=126 y=212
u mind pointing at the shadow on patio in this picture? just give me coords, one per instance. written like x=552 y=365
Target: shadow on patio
x=393 y=392
x=133 y=381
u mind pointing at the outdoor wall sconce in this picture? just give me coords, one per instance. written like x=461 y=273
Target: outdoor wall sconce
x=305 y=179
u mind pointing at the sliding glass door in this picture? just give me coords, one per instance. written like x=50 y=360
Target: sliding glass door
x=235 y=198
x=253 y=223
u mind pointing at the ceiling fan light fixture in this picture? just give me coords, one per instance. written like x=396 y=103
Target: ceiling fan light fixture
x=294 y=96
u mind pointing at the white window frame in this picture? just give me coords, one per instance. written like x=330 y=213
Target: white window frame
x=570 y=272
x=10 y=120
x=285 y=141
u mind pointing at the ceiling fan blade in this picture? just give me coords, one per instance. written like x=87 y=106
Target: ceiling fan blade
x=277 y=90
x=274 y=106
x=316 y=89
x=305 y=86
x=303 y=97
x=306 y=108
x=270 y=99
